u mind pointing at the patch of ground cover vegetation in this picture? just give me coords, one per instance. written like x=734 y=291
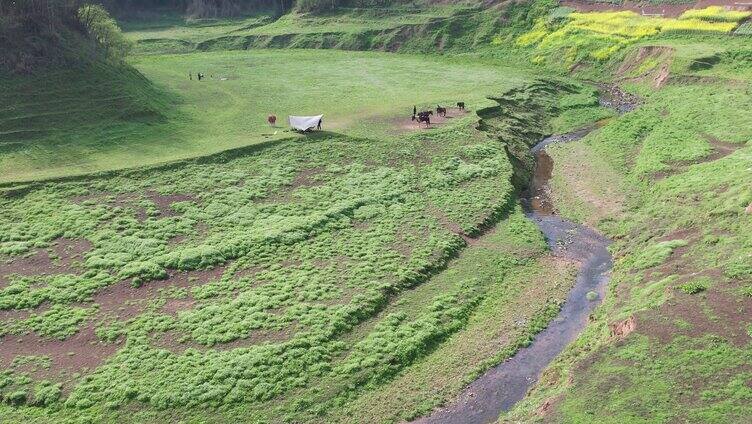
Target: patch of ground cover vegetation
x=670 y=342
x=357 y=92
x=308 y=240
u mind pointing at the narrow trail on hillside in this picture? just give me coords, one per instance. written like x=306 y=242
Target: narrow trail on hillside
x=502 y=386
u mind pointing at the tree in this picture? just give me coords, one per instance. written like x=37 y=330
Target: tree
x=102 y=28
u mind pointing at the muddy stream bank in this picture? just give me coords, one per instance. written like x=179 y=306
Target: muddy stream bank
x=502 y=386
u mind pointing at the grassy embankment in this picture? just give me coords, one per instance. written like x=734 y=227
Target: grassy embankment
x=670 y=183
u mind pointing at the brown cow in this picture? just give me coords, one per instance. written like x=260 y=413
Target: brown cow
x=272 y=120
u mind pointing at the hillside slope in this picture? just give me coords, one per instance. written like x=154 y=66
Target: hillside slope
x=670 y=183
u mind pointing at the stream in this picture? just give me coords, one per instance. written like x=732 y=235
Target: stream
x=499 y=388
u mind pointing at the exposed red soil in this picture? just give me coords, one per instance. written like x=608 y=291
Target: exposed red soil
x=621 y=330
x=173 y=306
x=666 y=10
x=84 y=351
x=658 y=75
x=123 y=301
x=681 y=234
x=164 y=201
x=66 y=251
x=306 y=178
x=77 y=354
x=406 y=124
x=175 y=241
x=675 y=264
x=711 y=313
x=548 y=406
x=452 y=226
x=720 y=150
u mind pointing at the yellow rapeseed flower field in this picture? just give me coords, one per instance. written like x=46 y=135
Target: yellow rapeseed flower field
x=598 y=35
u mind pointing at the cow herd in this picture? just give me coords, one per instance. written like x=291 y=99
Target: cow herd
x=425 y=116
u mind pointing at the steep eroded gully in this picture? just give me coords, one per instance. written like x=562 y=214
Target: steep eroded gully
x=505 y=384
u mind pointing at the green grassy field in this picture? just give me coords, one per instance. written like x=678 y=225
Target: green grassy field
x=360 y=94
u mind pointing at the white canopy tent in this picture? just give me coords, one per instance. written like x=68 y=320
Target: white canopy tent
x=304 y=123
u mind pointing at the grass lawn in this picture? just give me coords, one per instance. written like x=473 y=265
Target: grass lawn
x=361 y=94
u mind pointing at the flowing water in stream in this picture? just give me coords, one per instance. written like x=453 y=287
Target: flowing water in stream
x=507 y=383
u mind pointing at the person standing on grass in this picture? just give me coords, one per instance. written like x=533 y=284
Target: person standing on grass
x=190 y=75
x=318 y=127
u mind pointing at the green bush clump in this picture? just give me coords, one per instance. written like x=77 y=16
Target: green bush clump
x=656 y=253
x=59 y=321
x=693 y=287
x=740 y=267
x=47 y=393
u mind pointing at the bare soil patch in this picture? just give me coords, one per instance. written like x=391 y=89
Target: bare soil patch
x=622 y=329
x=681 y=234
x=65 y=254
x=662 y=54
x=406 y=124
x=164 y=201
x=84 y=351
x=306 y=178
x=451 y=225
x=720 y=150
x=713 y=313
x=79 y=353
x=123 y=301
